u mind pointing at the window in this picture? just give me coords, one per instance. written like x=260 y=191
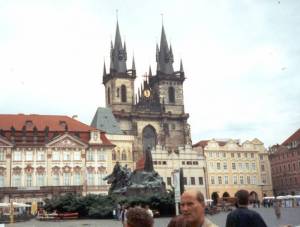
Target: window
x=232 y=155
x=193 y=181
x=2 y=181
x=55 y=156
x=252 y=155
x=41 y=156
x=28 y=156
x=218 y=154
x=210 y=154
x=90 y=155
x=173 y=126
x=241 y=180
x=253 y=180
x=17 y=156
x=211 y=165
x=169 y=182
x=195 y=163
x=239 y=155
x=1 y=155
x=225 y=179
x=234 y=179
x=200 y=180
x=264 y=180
x=246 y=155
x=76 y=179
x=90 y=178
x=247 y=166
x=233 y=166
x=101 y=175
x=55 y=179
x=225 y=165
x=263 y=167
x=261 y=157
x=240 y=166
x=28 y=180
x=224 y=155
x=171 y=92
x=218 y=165
x=17 y=180
x=253 y=166
x=248 y=180
x=212 y=180
x=67 y=178
x=184 y=180
x=40 y=179
x=123 y=93
x=101 y=156
x=67 y=156
x=77 y=156
x=219 y=180
x=124 y=156
x=114 y=155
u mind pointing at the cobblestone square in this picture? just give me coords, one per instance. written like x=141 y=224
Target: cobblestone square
x=289 y=216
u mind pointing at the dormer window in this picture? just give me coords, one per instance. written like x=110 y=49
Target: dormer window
x=171 y=93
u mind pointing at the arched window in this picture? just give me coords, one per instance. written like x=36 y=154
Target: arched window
x=123 y=93
x=149 y=137
x=108 y=95
x=171 y=93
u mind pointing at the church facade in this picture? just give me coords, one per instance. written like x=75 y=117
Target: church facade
x=154 y=116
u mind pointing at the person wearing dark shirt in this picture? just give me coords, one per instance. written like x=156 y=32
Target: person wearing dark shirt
x=242 y=216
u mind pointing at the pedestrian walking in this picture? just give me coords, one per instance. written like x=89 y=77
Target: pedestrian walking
x=242 y=216
x=277 y=209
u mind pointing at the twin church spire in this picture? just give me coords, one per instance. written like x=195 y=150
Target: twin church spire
x=118 y=56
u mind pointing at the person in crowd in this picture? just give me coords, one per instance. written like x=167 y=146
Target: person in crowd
x=242 y=216
x=192 y=208
x=138 y=217
x=277 y=208
x=147 y=208
x=123 y=215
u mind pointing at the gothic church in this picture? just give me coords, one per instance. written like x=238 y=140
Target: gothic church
x=155 y=116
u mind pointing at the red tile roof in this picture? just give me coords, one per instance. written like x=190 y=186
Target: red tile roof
x=57 y=124
x=54 y=122
x=201 y=143
x=293 y=137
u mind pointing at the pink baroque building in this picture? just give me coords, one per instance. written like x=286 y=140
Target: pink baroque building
x=46 y=155
x=285 y=165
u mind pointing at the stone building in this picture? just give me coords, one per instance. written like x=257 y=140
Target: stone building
x=285 y=165
x=232 y=166
x=44 y=155
x=155 y=116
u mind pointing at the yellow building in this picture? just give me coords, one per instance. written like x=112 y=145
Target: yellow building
x=232 y=166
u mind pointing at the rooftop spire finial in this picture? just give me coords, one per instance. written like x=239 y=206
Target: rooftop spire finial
x=162 y=19
x=117 y=11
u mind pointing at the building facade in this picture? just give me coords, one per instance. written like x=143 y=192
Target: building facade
x=285 y=165
x=232 y=166
x=44 y=155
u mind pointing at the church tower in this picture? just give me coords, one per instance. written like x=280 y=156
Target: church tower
x=119 y=82
x=155 y=115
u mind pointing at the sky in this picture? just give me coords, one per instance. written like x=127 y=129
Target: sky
x=241 y=59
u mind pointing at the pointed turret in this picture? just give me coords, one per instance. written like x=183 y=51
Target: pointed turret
x=133 y=64
x=150 y=71
x=164 y=55
x=181 y=66
x=104 y=70
x=118 y=54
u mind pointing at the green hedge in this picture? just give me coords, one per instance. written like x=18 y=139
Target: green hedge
x=100 y=206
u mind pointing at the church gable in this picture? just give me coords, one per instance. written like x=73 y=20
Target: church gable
x=66 y=140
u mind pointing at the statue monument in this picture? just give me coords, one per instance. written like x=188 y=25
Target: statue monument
x=145 y=181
